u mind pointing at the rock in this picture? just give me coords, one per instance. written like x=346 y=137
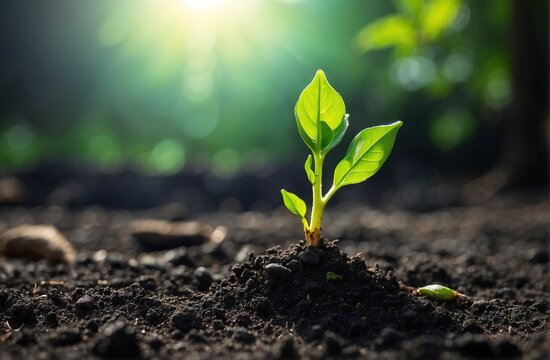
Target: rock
x=164 y=235
x=278 y=272
x=85 y=303
x=309 y=257
x=37 y=242
x=203 y=277
x=12 y=191
x=118 y=340
x=186 y=320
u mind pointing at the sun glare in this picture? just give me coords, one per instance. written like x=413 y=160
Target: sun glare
x=204 y=5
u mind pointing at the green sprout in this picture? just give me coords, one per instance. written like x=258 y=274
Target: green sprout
x=322 y=122
x=333 y=276
x=439 y=292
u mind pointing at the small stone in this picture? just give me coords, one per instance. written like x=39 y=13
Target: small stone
x=37 y=242
x=309 y=257
x=278 y=272
x=203 y=277
x=118 y=340
x=186 y=320
x=85 y=303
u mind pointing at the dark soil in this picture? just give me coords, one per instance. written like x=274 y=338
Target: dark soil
x=352 y=299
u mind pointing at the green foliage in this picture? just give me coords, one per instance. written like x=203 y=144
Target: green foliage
x=416 y=22
x=333 y=276
x=322 y=122
x=439 y=292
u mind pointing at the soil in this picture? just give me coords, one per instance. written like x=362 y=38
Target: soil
x=261 y=293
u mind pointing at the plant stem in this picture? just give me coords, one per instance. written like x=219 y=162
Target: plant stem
x=313 y=235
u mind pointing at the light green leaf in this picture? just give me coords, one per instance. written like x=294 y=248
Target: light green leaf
x=331 y=276
x=320 y=108
x=294 y=204
x=439 y=14
x=439 y=292
x=390 y=31
x=309 y=170
x=410 y=7
x=366 y=154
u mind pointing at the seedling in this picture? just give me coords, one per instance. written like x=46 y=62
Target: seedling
x=439 y=292
x=322 y=122
x=333 y=276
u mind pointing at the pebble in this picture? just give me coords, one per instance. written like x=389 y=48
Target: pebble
x=37 y=242
x=309 y=257
x=118 y=340
x=278 y=272
x=203 y=277
x=85 y=303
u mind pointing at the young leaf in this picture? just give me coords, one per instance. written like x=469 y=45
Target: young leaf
x=294 y=204
x=319 y=109
x=366 y=154
x=309 y=170
x=439 y=292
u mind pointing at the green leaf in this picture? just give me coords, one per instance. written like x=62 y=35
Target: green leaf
x=320 y=115
x=439 y=14
x=309 y=170
x=390 y=31
x=439 y=292
x=366 y=154
x=294 y=204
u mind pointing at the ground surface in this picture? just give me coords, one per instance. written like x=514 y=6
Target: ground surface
x=126 y=301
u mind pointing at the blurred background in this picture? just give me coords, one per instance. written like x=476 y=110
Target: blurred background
x=136 y=103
